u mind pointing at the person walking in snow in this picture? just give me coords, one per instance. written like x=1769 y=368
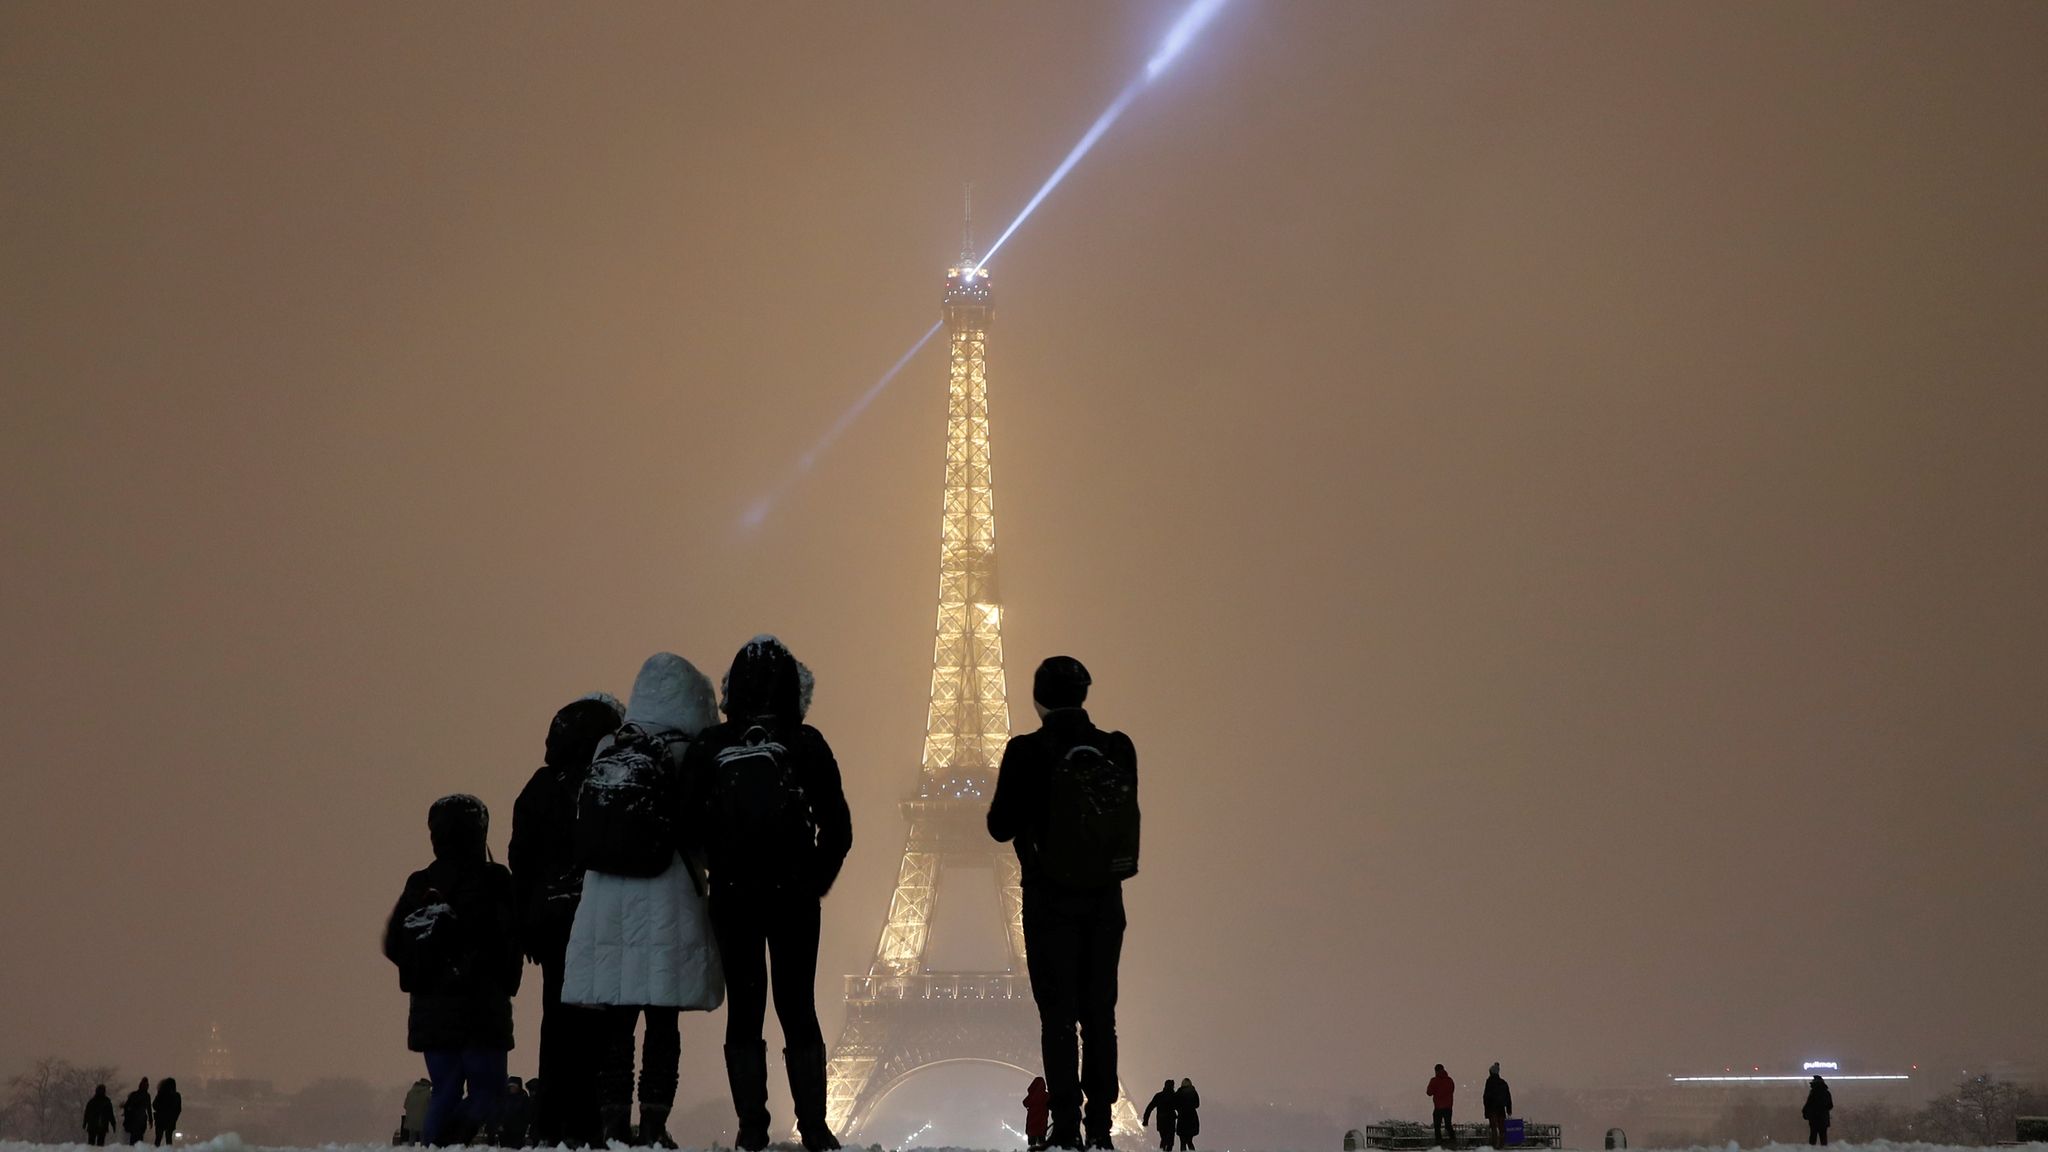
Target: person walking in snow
x=135 y=1113
x=1187 y=1114
x=169 y=1105
x=453 y=936
x=1498 y=1103
x=1820 y=1105
x=1035 y=1112
x=1067 y=795
x=1162 y=1104
x=640 y=945
x=547 y=884
x=765 y=800
x=99 y=1117
x=1440 y=1091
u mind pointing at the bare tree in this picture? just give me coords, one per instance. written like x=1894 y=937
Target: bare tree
x=1980 y=1111
x=46 y=1103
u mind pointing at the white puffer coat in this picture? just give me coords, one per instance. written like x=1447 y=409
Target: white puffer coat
x=647 y=940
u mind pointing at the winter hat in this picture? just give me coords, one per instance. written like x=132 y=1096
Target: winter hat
x=670 y=694
x=458 y=825
x=1495 y=1070
x=763 y=682
x=576 y=729
x=1060 y=682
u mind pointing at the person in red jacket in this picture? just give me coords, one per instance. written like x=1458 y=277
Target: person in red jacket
x=1441 y=1089
x=1037 y=1106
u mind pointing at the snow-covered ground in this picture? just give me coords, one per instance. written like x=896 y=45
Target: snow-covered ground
x=231 y=1143
x=234 y=1144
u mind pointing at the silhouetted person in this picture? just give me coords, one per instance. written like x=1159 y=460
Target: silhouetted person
x=1067 y=794
x=1036 y=1109
x=515 y=1119
x=1162 y=1104
x=547 y=884
x=452 y=935
x=1498 y=1103
x=414 y=1123
x=99 y=1116
x=1820 y=1104
x=1441 y=1089
x=641 y=945
x=135 y=1113
x=1187 y=1114
x=167 y=1108
x=766 y=804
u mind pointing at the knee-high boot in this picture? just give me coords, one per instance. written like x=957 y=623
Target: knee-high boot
x=746 y=1069
x=807 y=1092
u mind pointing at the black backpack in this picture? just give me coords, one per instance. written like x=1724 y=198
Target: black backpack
x=1091 y=829
x=763 y=819
x=435 y=953
x=625 y=819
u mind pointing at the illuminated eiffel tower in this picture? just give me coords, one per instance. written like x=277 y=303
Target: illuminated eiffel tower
x=902 y=1017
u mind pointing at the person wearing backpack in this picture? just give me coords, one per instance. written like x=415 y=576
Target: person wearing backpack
x=547 y=884
x=453 y=936
x=764 y=798
x=168 y=1107
x=135 y=1113
x=99 y=1117
x=641 y=944
x=1067 y=795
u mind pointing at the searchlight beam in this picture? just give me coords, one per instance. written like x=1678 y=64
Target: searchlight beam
x=1186 y=27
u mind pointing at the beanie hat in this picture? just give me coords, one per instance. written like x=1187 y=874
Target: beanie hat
x=1060 y=682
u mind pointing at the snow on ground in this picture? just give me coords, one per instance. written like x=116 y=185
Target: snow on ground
x=233 y=1143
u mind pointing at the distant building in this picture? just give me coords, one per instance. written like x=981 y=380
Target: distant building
x=216 y=1063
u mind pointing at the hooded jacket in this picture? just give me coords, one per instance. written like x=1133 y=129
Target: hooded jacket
x=1187 y=1110
x=1495 y=1099
x=1820 y=1103
x=99 y=1111
x=169 y=1105
x=547 y=884
x=1441 y=1090
x=1037 y=1109
x=135 y=1110
x=461 y=997
x=646 y=940
x=764 y=689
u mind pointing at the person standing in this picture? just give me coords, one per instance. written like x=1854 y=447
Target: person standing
x=99 y=1117
x=1820 y=1105
x=167 y=1108
x=135 y=1113
x=639 y=946
x=1067 y=795
x=547 y=885
x=452 y=935
x=764 y=799
x=1440 y=1091
x=1187 y=1114
x=1162 y=1103
x=1035 y=1111
x=1498 y=1103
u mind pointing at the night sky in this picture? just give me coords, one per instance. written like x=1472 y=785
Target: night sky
x=1555 y=492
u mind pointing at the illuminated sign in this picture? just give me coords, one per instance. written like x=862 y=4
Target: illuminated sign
x=1812 y=1065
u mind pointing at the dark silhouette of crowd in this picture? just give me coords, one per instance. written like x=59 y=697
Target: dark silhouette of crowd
x=671 y=854
x=139 y=1114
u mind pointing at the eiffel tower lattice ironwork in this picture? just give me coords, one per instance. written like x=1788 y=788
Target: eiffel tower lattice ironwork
x=902 y=1017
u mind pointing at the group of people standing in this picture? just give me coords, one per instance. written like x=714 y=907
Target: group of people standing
x=1495 y=1100
x=1180 y=1114
x=139 y=1113
x=665 y=860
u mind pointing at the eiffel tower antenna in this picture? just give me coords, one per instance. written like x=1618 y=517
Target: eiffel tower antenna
x=967 y=256
x=902 y=1017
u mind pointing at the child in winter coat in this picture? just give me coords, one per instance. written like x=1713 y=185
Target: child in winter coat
x=1037 y=1108
x=452 y=936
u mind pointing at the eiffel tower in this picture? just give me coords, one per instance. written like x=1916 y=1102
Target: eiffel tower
x=902 y=1017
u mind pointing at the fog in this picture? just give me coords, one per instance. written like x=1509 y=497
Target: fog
x=1554 y=491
